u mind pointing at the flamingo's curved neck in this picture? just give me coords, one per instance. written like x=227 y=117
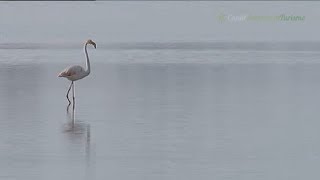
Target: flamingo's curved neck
x=87 y=62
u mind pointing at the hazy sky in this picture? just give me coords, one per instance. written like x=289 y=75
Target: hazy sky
x=154 y=21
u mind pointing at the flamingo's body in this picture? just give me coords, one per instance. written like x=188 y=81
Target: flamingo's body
x=75 y=73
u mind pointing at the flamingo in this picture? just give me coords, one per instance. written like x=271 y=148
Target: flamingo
x=75 y=73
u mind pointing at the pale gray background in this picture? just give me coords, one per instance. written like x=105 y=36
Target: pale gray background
x=153 y=21
x=189 y=108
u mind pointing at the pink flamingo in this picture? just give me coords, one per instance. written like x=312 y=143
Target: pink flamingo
x=75 y=73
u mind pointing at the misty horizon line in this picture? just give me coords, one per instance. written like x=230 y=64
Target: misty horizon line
x=196 y=45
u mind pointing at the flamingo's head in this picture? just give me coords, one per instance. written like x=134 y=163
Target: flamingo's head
x=92 y=43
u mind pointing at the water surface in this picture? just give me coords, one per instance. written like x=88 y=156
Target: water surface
x=160 y=114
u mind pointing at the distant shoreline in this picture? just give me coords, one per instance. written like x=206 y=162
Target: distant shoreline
x=200 y=45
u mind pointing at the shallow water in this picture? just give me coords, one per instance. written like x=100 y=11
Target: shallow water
x=160 y=114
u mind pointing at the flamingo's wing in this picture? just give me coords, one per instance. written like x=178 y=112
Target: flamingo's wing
x=71 y=71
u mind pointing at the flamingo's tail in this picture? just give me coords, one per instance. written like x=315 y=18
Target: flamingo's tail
x=62 y=74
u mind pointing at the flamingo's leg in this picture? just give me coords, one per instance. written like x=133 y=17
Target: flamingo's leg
x=68 y=92
x=73 y=94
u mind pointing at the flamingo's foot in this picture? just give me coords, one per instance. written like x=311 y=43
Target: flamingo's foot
x=68 y=107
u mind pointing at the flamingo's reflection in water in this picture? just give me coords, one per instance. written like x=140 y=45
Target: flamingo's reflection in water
x=75 y=127
x=78 y=131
